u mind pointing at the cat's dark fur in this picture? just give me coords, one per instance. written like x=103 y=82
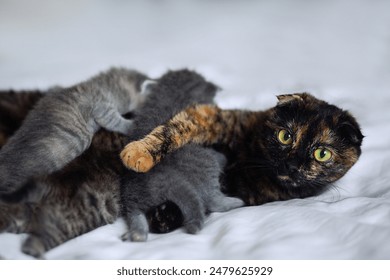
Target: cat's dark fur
x=63 y=122
x=14 y=106
x=85 y=194
x=189 y=177
x=293 y=150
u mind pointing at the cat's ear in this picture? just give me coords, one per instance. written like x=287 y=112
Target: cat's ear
x=285 y=99
x=350 y=130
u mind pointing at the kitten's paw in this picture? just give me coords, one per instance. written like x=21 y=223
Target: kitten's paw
x=34 y=246
x=226 y=204
x=136 y=157
x=235 y=202
x=194 y=226
x=135 y=236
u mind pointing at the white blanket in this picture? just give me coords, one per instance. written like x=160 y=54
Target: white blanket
x=337 y=50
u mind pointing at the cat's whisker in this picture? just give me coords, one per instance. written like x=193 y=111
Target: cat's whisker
x=336 y=189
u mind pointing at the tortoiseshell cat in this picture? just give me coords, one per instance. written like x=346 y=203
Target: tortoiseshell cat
x=294 y=150
x=85 y=194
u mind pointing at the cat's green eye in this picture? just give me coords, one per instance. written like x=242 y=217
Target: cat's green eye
x=285 y=137
x=322 y=154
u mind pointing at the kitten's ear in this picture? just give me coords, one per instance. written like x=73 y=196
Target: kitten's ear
x=285 y=99
x=212 y=89
x=147 y=85
x=350 y=130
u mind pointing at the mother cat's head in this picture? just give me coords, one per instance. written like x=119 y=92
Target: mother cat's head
x=308 y=143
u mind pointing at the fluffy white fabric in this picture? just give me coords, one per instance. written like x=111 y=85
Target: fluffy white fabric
x=337 y=50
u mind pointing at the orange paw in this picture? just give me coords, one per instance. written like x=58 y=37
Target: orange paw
x=136 y=157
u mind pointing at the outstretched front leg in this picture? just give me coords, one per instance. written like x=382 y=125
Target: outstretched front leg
x=201 y=124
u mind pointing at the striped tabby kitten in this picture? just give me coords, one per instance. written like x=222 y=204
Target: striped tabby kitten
x=293 y=150
x=82 y=196
x=63 y=122
x=86 y=193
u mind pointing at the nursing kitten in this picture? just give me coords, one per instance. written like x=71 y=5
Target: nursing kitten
x=85 y=194
x=296 y=149
x=63 y=122
x=188 y=177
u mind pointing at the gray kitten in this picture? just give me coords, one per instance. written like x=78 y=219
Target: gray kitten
x=188 y=177
x=62 y=124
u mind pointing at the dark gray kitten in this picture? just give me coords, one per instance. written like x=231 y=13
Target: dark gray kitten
x=62 y=124
x=188 y=177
